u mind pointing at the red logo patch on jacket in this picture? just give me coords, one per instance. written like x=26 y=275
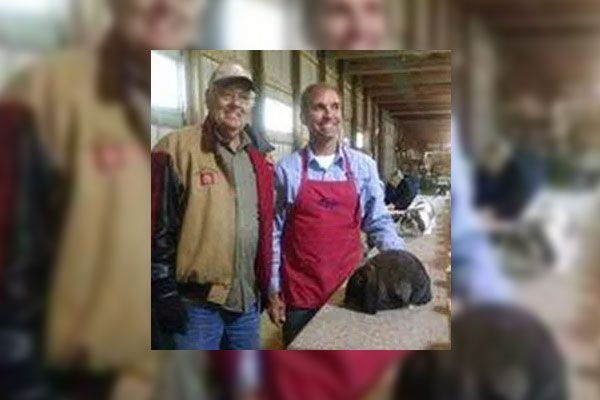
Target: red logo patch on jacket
x=112 y=157
x=207 y=177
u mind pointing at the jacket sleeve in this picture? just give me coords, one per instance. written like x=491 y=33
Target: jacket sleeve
x=166 y=224
x=27 y=213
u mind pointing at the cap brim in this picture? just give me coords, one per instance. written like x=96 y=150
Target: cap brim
x=235 y=79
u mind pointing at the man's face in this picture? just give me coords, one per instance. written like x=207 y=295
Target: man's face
x=351 y=24
x=159 y=24
x=324 y=115
x=230 y=107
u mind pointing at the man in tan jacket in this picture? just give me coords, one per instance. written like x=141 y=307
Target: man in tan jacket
x=83 y=170
x=212 y=226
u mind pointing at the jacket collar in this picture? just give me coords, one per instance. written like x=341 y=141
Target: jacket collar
x=210 y=138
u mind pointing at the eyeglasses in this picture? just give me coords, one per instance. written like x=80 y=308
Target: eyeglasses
x=244 y=97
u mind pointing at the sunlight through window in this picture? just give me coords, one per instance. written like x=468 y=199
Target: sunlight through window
x=278 y=117
x=167 y=88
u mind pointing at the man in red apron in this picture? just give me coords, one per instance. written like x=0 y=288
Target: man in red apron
x=326 y=194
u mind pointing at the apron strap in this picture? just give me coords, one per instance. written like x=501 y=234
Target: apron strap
x=350 y=178
x=347 y=168
x=304 y=175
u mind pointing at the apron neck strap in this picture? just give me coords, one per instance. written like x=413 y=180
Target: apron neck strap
x=347 y=168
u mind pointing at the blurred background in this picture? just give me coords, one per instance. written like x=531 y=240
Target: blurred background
x=524 y=94
x=525 y=83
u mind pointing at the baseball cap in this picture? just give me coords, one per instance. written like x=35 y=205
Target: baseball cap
x=230 y=72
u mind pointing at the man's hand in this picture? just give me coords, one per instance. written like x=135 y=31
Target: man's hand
x=276 y=309
x=172 y=315
x=170 y=310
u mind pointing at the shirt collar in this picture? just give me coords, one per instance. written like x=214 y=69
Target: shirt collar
x=244 y=141
x=338 y=159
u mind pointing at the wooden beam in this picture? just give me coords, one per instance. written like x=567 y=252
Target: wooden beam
x=432 y=113
x=403 y=107
x=363 y=54
x=434 y=102
x=429 y=61
x=422 y=90
x=549 y=22
x=420 y=102
x=442 y=120
x=400 y=80
x=400 y=99
x=365 y=69
x=520 y=7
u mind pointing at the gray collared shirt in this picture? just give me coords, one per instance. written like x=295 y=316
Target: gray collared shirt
x=242 y=295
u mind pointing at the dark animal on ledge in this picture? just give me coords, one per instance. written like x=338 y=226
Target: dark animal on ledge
x=390 y=280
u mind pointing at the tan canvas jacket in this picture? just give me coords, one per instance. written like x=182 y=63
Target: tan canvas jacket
x=100 y=292
x=205 y=252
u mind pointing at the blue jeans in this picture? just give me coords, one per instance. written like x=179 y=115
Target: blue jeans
x=210 y=327
x=295 y=320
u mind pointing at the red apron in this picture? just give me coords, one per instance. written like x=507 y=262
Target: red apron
x=321 y=239
x=324 y=375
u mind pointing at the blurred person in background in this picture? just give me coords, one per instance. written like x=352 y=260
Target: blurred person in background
x=211 y=250
x=401 y=190
x=346 y=24
x=75 y=287
x=507 y=179
x=326 y=194
x=498 y=352
x=476 y=272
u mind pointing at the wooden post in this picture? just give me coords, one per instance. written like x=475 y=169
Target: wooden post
x=381 y=161
x=194 y=88
x=354 y=120
x=296 y=95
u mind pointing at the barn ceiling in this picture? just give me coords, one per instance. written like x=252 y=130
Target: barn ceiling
x=547 y=46
x=414 y=87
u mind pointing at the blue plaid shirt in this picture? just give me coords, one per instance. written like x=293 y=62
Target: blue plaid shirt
x=376 y=220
